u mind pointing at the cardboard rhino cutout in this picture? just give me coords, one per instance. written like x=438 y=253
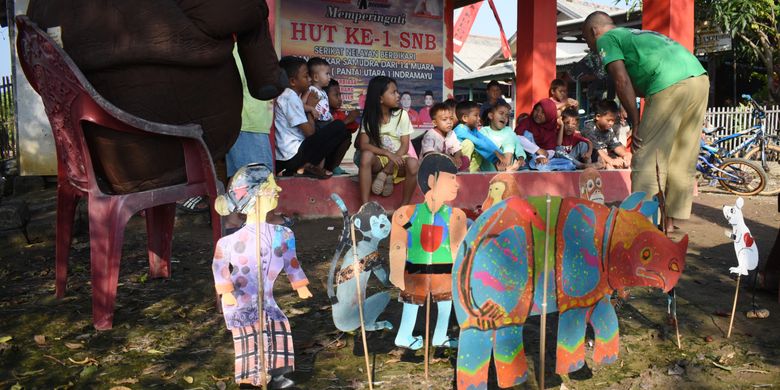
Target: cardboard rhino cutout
x=593 y=250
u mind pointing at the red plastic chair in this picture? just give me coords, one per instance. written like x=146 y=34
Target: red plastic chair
x=69 y=100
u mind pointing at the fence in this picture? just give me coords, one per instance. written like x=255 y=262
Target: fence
x=735 y=119
x=7 y=121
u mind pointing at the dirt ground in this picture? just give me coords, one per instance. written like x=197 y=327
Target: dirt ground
x=168 y=334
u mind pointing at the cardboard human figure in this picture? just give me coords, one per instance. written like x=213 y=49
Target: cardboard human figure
x=594 y=250
x=501 y=186
x=372 y=223
x=423 y=242
x=591 y=185
x=253 y=191
x=744 y=246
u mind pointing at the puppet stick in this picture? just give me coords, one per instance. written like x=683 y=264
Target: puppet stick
x=543 y=323
x=662 y=205
x=427 y=329
x=357 y=271
x=676 y=326
x=733 y=307
x=428 y=294
x=260 y=295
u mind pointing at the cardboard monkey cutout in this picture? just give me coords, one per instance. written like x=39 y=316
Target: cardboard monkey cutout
x=373 y=225
x=423 y=241
x=497 y=278
x=253 y=191
x=591 y=185
x=501 y=186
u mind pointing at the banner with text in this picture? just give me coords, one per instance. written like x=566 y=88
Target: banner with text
x=402 y=39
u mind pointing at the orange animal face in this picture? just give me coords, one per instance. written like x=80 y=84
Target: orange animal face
x=641 y=255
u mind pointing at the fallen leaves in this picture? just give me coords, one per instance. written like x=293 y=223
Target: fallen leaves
x=189 y=379
x=5 y=339
x=74 y=345
x=85 y=361
x=126 y=381
x=40 y=339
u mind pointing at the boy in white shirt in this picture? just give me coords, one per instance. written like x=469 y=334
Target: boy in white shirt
x=301 y=148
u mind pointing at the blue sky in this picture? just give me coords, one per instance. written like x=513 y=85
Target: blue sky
x=484 y=25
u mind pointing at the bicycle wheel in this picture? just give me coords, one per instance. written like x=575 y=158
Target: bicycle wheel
x=772 y=169
x=740 y=177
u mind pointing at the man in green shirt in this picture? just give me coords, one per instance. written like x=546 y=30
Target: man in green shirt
x=675 y=87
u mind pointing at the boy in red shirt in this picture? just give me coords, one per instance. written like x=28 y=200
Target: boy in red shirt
x=334 y=100
x=571 y=144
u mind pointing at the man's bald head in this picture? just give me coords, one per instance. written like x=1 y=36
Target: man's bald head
x=598 y=19
x=596 y=24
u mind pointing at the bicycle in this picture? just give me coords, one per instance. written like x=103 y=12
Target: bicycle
x=735 y=175
x=758 y=147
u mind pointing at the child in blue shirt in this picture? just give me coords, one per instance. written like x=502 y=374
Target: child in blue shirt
x=475 y=145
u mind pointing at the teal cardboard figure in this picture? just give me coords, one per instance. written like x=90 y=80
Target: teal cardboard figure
x=372 y=224
x=424 y=239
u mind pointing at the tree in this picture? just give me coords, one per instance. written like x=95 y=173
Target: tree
x=754 y=23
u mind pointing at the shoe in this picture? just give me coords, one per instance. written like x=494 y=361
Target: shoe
x=387 y=190
x=339 y=171
x=195 y=205
x=280 y=382
x=378 y=185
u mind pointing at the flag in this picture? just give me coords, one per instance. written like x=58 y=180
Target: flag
x=505 y=49
x=463 y=25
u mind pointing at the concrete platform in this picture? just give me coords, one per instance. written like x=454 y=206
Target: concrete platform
x=310 y=198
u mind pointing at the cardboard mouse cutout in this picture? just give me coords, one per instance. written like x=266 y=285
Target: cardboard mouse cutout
x=744 y=245
x=423 y=241
x=373 y=225
x=238 y=277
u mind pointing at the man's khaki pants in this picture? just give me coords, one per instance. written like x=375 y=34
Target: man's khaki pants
x=670 y=131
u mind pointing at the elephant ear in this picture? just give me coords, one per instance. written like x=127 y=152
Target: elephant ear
x=636 y=202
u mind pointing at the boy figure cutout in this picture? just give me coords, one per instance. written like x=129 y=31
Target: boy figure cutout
x=423 y=241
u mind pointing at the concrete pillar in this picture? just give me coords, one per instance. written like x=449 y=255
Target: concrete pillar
x=673 y=18
x=536 y=41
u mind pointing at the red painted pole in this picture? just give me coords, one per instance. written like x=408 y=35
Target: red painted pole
x=536 y=40
x=673 y=18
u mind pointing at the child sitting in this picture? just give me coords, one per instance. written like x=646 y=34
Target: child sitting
x=559 y=94
x=475 y=146
x=385 y=148
x=441 y=138
x=605 y=141
x=319 y=71
x=350 y=120
x=294 y=122
x=571 y=144
x=538 y=134
x=503 y=136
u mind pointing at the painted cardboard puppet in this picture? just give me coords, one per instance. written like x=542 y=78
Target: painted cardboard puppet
x=591 y=186
x=423 y=244
x=373 y=225
x=501 y=186
x=235 y=268
x=497 y=280
x=744 y=244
